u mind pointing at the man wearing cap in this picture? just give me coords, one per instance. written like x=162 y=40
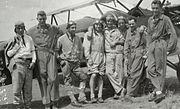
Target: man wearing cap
x=45 y=36
x=20 y=58
x=70 y=54
x=113 y=48
x=162 y=41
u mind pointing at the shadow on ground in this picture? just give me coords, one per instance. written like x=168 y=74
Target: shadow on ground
x=172 y=90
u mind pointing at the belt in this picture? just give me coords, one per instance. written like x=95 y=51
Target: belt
x=25 y=59
x=44 y=49
x=112 y=52
x=162 y=37
x=136 y=49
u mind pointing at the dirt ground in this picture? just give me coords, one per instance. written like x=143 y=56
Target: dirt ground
x=172 y=101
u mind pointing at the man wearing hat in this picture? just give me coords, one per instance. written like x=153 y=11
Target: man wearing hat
x=45 y=36
x=70 y=54
x=20 y=58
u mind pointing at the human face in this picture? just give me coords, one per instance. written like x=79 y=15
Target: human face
x=98 y=27
x=20 y=30
x=41 y=19
x=110 y=23
x=121 y=24
x=72 y=29
x=156 y=9
x=132 y=24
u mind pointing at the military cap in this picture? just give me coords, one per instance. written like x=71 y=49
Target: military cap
x=70 y=23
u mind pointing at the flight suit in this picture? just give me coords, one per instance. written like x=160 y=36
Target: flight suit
x=162 y=38
x=135 y=47
x=45 y=43
x=20 y=54
x=114 y=56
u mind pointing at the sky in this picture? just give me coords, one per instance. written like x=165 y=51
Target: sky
x=25 y=10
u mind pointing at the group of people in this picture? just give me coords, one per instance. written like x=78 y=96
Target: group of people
x=114 y=47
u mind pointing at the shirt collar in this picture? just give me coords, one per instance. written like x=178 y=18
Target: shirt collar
x=69 y=37
x=47 y=26
x=160 y=17
x=133 y=32
x=110 y=30
x=21 y=39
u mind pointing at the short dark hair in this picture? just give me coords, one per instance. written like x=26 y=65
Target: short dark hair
x=158 y=2
x=132 y=18
x=41 y=13
x=70 y=23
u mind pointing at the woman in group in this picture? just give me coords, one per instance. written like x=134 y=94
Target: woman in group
x=114 y=42
x=94 y=53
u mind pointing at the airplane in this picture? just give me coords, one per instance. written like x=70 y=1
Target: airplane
x=141 y=14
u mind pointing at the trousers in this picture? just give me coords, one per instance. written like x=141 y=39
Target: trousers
x=22 y=83
x=112 y=71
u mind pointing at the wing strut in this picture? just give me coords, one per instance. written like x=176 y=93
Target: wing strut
x=69 y=15
x=163 y=2
x=53 y=18
x=100 y=11
x=123 y=5
x=110 y=7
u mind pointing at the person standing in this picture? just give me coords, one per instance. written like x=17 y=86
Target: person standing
x=70 y=54
x=135 y=49
x=162 y=40
x=114 y=49
x=95 y=55
x=121 y=23
x=20 y=59
x=45 y=36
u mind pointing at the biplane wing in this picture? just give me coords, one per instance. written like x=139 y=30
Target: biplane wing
x=77 y=6
x=71 y=8
x=82 y=24
x=96 y=3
